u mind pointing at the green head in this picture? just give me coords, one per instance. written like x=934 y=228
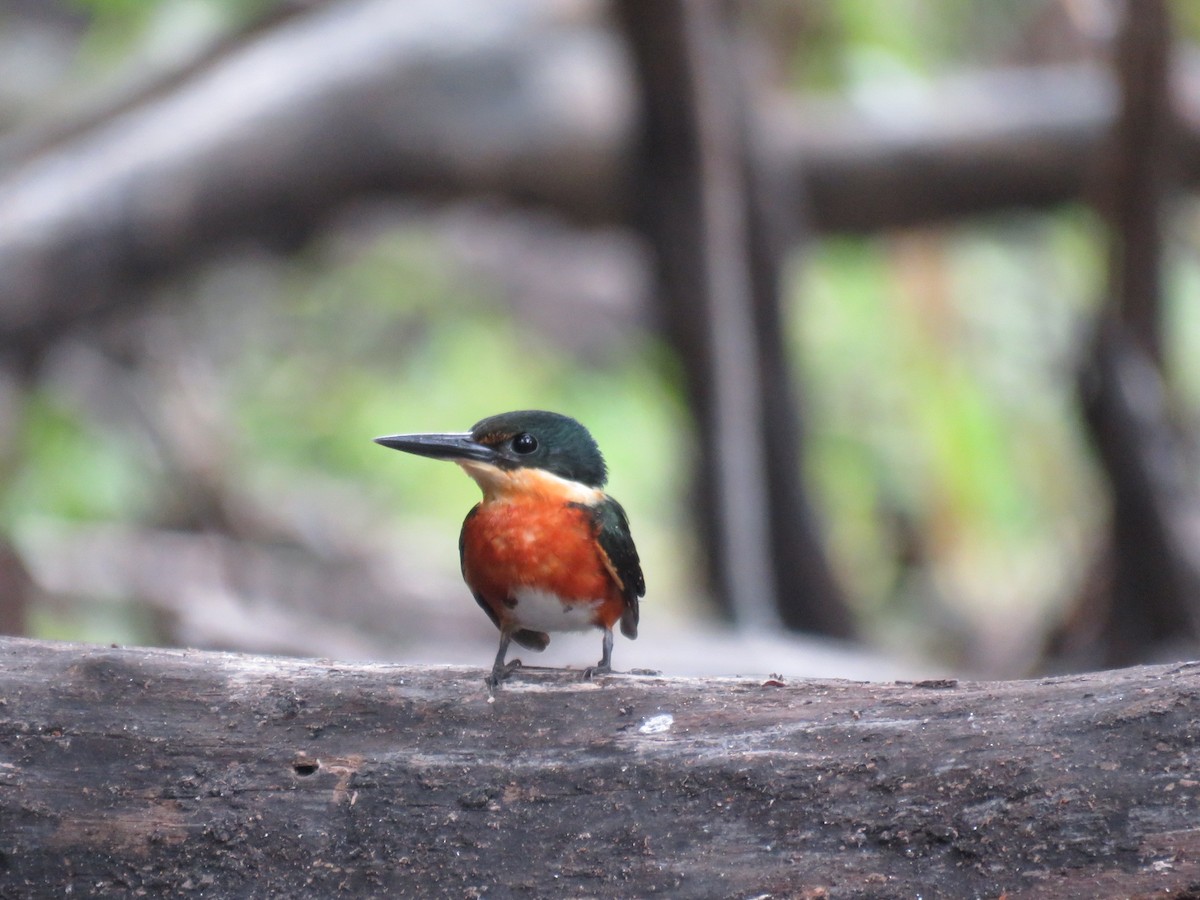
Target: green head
x=528 y=438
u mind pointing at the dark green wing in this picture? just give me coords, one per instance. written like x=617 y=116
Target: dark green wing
x=533 y=640
x=612 y=532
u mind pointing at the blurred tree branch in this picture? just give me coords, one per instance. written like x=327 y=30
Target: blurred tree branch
x=363 y=96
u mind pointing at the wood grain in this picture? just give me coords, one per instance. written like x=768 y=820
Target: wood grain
x=182 y=772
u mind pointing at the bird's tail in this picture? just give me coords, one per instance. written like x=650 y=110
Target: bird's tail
x=531 y=640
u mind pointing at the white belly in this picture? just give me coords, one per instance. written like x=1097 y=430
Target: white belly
x=541 y=610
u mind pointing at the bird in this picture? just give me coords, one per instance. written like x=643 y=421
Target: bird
x=546 y=549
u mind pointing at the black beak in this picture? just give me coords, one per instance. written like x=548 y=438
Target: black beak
x=440 y=446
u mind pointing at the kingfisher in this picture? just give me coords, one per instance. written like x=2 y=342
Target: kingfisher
x=546 y=549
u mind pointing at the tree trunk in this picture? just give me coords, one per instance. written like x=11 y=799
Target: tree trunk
x=1143 y=148
x=1148 y=603
x=705 y=207
x=167 y=772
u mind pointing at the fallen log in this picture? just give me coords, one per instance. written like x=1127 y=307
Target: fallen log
x=169 y=771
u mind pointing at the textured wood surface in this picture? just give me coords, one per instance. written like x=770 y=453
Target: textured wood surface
x=165 y=772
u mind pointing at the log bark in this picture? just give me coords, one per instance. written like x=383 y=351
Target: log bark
x=170 y=772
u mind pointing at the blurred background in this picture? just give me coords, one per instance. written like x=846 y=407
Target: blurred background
x=884 y=314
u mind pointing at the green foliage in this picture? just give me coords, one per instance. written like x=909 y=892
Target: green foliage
x=115 y=622
x=1185 y=19
x=145 y=32
x=854 y=43
x=134 y=13
x=1181 y=326
x=71 y=470
x=388 y=338
x=943 y=424
x=348 y=341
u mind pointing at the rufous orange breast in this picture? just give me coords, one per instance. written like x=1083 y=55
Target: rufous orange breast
x=537 y=565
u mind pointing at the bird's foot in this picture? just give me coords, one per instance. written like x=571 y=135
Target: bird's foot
x=599 y=669
x=499 y=673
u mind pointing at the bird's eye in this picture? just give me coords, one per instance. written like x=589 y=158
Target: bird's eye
x=524 y=443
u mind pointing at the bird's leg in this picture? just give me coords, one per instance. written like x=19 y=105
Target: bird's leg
x=605 y=665
x=501 y=669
